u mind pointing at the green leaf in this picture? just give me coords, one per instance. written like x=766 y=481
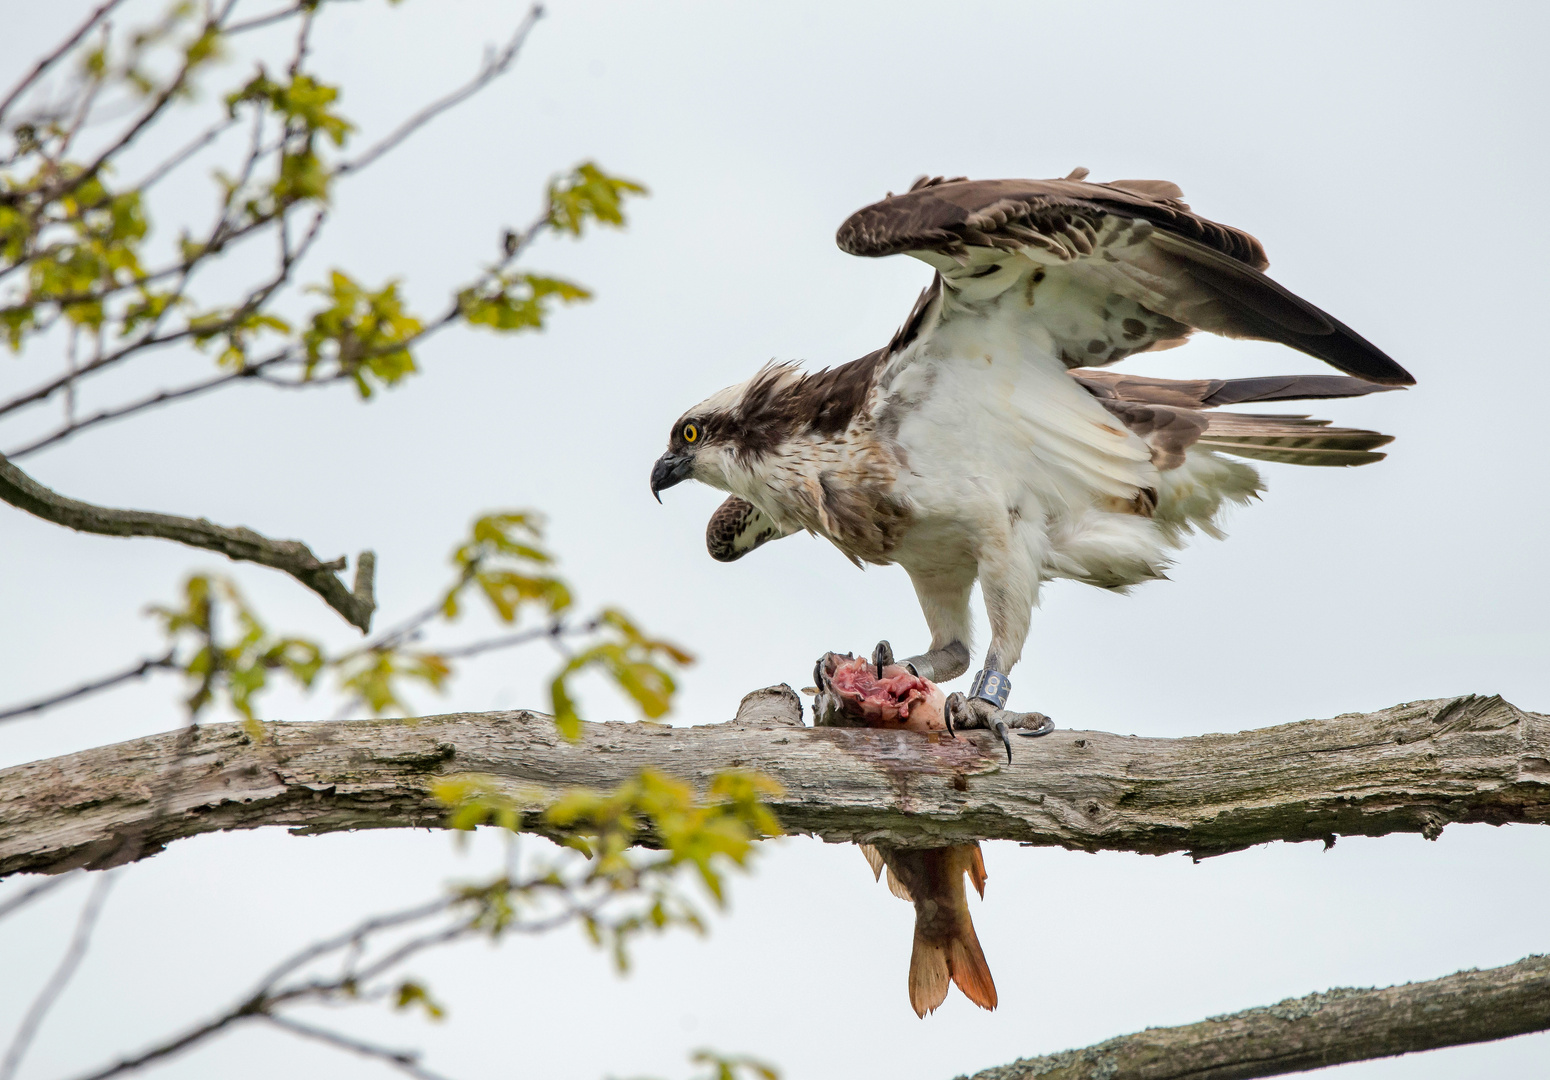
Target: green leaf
x=510 y=301
x=589 y=194
x=413 y=993
x=361 y=334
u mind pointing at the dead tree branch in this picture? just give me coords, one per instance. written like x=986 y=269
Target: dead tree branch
x=239 y=544
x=1411 y=768
x=1329 y=1028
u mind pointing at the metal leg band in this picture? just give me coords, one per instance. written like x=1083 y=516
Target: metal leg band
x=991 y=686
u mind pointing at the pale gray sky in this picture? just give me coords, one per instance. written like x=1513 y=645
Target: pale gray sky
x=1391 y=156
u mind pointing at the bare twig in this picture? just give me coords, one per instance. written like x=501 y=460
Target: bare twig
x=33 y=892
x=352 y=937
x=139 y=671
x=1329 y=1028
x=54 y=57
x=244 y=545
x=165 y=1050
x=556 y=629
x=57 y=982
x=160 y=172
x=65 y=185
x=407 y=1061
x=259 y=21
x=161 y=397
x=493 y=67
x=352 y=983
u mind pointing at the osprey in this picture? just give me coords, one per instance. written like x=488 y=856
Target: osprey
x=984 y=443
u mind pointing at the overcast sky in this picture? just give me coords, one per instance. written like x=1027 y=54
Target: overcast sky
x=1391 y=157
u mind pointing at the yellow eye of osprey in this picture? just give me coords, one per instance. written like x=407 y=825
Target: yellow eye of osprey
x=691 y=433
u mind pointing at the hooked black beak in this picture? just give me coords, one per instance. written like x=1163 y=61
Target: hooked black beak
x=671 y=468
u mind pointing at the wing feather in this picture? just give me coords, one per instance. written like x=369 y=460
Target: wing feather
x=1111 y=269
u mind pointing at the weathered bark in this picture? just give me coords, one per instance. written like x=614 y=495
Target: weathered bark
x=1411 y=768
x=1328 y=1028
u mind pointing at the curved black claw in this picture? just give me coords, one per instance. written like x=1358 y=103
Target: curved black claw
x=1043 y=729
x=882 y=656
x=955 y=701
x=1006 y=740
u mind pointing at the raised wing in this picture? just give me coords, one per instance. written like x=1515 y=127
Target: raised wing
x=1108 y=269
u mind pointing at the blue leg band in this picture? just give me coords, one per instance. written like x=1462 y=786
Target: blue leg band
x=991 y=686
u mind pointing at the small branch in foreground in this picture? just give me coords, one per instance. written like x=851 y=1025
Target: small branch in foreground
x=1330 y=1028
x=144 y=668
x=243 y=545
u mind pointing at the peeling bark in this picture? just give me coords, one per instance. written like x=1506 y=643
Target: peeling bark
x=1329 y=1028
x=1411 y=768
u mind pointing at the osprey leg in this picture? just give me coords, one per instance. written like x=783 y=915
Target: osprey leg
x=940 y=665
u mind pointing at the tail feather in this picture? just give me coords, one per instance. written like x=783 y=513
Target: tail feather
x=1295 y=440
x=1169 y=413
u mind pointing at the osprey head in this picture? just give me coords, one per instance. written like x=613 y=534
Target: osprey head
x=697 y=446
x=683 y=447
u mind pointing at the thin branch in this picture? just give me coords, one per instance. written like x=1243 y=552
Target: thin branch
x=407 y=1061
x=105 y=416
x=354 y=936
x=54 y=57
x=139 y=671
x=1412 y=768
x=33 y=892
x=259 y=21
x=263 y=1002
x=397 y=633
x=57 y=982
x=240 y=544
x=160 y=172
x=182 y=1042
x=1329 y=1028
x=555 y=629
x=68 y=184
x=493 y=68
